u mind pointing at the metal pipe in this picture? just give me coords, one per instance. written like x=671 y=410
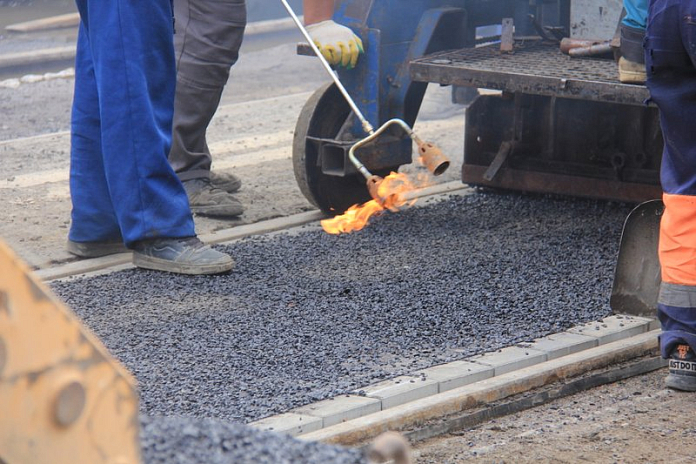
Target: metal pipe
x=567 y=44
x=593 y=50
x=351 y=153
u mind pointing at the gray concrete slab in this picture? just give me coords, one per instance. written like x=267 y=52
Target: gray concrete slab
x=341 y=408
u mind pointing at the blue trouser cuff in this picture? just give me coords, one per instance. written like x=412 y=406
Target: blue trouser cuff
x=678 y=327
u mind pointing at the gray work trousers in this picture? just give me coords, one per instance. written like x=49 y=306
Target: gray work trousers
x=207 y=40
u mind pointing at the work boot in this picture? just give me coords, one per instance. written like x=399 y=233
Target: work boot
x=207 y=200
x=181 y=256
x=632 y=61
x=225 y=181
x=682 y=368
x=96 y=249
x=631 y=72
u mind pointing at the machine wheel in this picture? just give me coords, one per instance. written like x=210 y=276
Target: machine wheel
x=323 y=116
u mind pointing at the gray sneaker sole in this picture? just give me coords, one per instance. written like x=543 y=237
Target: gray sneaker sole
x=157 y=264
x=95 y=249
x=681 y=382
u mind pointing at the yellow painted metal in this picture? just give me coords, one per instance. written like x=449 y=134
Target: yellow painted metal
x=63 y=398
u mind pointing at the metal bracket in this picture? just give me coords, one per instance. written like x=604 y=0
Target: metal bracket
x=507 y=40
x=500 y=158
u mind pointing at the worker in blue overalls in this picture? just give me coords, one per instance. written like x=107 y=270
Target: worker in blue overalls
x=671 y=78
x=122 y=187
x=207 y=41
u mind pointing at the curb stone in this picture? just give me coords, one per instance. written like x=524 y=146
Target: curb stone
x=558 y=350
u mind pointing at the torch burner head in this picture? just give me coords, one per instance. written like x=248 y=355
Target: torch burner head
x=432 y=157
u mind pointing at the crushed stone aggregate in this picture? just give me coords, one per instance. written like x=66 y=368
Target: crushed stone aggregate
x=307 y=316
x=183 y=440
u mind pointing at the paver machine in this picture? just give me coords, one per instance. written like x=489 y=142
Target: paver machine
x=554 y=123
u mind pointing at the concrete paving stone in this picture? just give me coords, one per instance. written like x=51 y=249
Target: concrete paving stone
x=400 y=390
x=654 y=324
x=510 y=359
x=290 y=423
x=341 y=408
x=456 y=374
x=613 y=328
x=562 y=344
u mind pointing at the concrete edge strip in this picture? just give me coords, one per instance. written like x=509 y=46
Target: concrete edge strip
x=100 y=264
x=428 y=382
x=543 y=396
x=464 y=398
x=88 y=266
x=9 y=60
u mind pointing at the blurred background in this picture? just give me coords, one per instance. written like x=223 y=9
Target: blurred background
x=14 y=11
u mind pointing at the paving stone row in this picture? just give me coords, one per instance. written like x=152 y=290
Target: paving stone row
x=438 y=379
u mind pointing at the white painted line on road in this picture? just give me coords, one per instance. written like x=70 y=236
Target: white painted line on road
x=237 y=160
x=226 y=153
x=68 y=52
x=34 y=138
x=37 y=56
x=270 y=25
x=239 y=147
x=52 y=22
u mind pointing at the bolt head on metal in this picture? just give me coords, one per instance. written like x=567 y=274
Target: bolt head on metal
x=69 y=404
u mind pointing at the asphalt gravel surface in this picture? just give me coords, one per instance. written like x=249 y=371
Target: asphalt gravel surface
x=180 y=440
x=307 y=316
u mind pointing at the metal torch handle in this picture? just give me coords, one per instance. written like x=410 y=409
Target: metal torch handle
x=367 y=127
x=373 y=135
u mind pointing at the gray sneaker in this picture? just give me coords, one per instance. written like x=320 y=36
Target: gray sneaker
x=225 y=181
x=96 y=249
x=207 y=200
x=180 y=255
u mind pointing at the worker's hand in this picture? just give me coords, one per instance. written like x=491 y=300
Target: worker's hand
x=338 y=44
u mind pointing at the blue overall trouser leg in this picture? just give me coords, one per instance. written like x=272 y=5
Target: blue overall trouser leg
x=121 y=183
x=670 y=57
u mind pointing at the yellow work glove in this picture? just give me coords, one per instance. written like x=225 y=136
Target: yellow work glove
x=338 y=44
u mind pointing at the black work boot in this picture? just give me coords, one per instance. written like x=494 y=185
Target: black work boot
x=96 y=249
x=682 y=368
x=181 y=256
x=207 y=200
x=632 y=61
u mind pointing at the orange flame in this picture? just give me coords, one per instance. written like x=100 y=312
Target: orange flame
x=392 y=192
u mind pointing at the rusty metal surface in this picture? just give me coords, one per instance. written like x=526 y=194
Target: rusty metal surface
x=63 y=398
x=534 y=67
x=529 y=181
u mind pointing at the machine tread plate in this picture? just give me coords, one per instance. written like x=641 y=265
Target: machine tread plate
x=534 y=67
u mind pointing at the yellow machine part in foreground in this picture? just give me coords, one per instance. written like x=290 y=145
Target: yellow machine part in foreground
x=63 y=398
